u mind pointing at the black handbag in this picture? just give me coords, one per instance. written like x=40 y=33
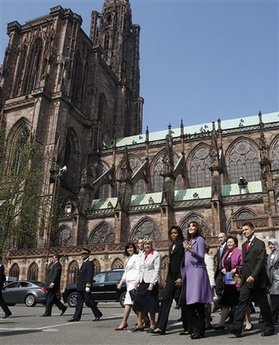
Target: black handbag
x=133 y=293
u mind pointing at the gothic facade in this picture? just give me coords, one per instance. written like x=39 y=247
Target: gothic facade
x=79 y=97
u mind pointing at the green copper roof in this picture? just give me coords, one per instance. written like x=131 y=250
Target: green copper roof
x=226 y=124
x=180 y=195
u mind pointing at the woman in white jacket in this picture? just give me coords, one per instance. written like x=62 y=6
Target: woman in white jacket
x=146 y=300
x=131 y=271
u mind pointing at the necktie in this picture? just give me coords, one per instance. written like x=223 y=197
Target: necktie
x=247 y=245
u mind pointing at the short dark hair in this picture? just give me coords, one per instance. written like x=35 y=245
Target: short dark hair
x=249 y=224
x=234 y=239
x=128 y=245
x=179 y=232
x=57 y=256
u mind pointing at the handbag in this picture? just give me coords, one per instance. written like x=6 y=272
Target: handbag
x=133 y=293
x=228 y=279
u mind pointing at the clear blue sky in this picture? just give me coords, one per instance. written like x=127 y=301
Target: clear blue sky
x=200 y=59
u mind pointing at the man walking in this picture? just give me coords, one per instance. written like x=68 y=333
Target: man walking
x=3 y=304
x=254 y=282
x=53 y=285
x=219 y=284
x=84 y=284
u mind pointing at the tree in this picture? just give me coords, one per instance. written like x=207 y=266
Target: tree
x=21 y=176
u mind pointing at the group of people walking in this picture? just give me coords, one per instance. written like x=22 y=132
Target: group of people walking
x=241 y=276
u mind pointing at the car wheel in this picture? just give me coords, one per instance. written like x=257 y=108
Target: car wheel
x=122 y=298
x=30 y=300
x=72 y=299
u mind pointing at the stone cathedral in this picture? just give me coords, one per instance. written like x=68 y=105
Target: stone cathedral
x=79 y=97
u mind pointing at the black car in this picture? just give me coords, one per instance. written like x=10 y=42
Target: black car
x=104 y=288
x=24 y=291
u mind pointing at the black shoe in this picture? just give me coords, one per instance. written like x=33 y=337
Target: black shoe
x=45 y=315
x=7 y=315
x=235 y=331
x=73 y=320
x=267 y=332
x=98 y=318
x=138 y=329
x=63 y=311
x=196 y=336
x=218 y=327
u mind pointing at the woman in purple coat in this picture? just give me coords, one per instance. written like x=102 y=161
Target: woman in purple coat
x=196 y=292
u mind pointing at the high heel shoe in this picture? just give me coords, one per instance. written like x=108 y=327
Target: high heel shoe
x=248 y=329
x=121 y=328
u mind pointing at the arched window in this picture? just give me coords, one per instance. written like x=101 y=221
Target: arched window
x=206 y=230
x=244 y=214
x=139 y=187
x=72 y=161
x=33 y=272
x=20 y=71
x=242 y=160
x=32 y=76
x=18 y=149
x=198 y=166
x=62 y=237
x=97 y=266
x=117 y=264
x=146 y=228
x=103 y=233
x=14 y=271
x=72 y=272
x=78 y=77
x=106 y=45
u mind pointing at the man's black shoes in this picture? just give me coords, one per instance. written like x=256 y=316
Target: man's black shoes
x=63 y=311
x=7 y=315
x=237 y=332
x=267 y=332
x=73 y=320
x=98 y=318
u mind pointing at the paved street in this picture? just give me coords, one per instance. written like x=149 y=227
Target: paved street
x=26 y=327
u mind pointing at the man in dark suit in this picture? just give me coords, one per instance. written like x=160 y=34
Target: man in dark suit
x=219 y=284
x=53 y=285
x=3 y=304
x=84 y=284
x=254 y=282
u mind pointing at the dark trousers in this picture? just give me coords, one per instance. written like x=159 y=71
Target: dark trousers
x=169 y=294
x=86 y=297
x=3 y=305
x=219 y=285
x=51 y=299
x=195 y=315
x=274 y=299
x=246 y=295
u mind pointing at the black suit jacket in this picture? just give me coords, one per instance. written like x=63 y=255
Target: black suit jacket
x=2 y=276
x=85 y=275
x=54 y=275
x=218 y=261
x=254 y=261
x=175 y=259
